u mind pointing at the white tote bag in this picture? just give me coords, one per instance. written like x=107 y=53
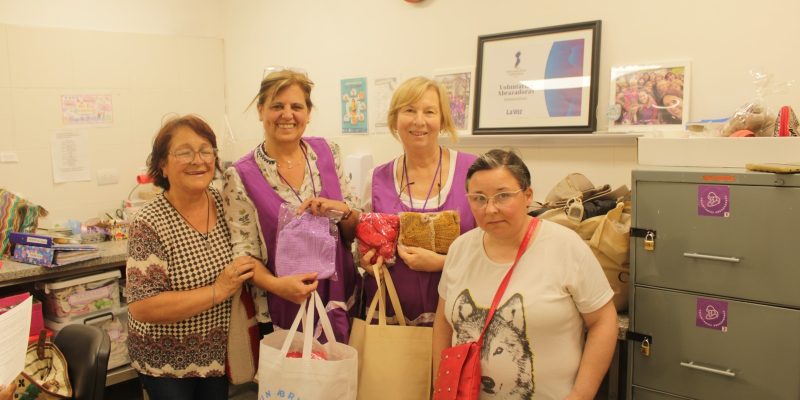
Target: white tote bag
x=307 y=377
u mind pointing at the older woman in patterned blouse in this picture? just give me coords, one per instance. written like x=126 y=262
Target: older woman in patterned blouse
x=303 y=171
x=180 y=273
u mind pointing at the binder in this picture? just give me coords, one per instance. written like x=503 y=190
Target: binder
x=54 y=255
x=30 y=239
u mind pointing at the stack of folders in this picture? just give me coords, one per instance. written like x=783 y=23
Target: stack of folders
x=41 y=250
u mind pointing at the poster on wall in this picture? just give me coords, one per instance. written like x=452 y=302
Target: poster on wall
x=458 y=84
x=647 y=97
x=354 y=105
x=87 y=109
x=381 y=100
x=541 y=80
x=70 y=152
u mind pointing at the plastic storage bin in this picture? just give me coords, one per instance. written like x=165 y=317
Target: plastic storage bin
x=115 y=323
x=65 y=299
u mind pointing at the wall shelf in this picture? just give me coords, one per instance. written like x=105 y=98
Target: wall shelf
x=603 y=139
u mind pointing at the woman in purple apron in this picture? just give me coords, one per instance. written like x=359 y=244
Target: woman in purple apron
x=306 y=172
x=425 y=178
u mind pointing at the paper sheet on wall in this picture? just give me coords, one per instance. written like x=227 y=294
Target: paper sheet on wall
x=384 y=89
x=16 y=324
x=70 y=152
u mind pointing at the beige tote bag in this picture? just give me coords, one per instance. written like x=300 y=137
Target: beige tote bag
x=394 y=361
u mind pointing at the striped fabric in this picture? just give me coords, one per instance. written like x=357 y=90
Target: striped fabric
x=16 y=215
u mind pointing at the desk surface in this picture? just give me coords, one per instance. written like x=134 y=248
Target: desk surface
x=111 y=253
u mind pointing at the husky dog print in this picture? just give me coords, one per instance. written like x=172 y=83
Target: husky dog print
x=505 y=346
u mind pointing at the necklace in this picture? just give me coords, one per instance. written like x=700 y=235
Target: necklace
x=208 y=219
x=430 y=189
x=290 y=166
x=308 y=164
x=289 y=163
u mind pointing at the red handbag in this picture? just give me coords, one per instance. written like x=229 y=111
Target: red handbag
x=459 y=374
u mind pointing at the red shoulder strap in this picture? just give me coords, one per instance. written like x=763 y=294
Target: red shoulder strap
x=504 y=283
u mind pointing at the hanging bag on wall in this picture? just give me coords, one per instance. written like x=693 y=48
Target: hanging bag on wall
x=292 y=365
x=45 y=375
x=459 y=373
x=393 y=360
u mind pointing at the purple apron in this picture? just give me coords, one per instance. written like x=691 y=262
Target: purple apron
x=334 y=294
x=417 y=290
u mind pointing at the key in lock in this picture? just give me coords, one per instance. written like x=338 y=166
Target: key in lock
x=649 y=241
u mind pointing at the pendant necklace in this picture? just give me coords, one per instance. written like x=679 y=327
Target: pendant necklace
x=208 y=220
x=308 y=164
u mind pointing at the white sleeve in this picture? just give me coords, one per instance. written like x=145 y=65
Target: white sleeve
x=241 y=217
x=587 y=282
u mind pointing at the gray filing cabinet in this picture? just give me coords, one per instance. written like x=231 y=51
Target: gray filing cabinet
x=718 y=295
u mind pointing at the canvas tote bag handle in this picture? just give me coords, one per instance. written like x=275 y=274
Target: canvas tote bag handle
x=379 y=301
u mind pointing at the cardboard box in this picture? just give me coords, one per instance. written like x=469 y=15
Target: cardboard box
x=717 y=152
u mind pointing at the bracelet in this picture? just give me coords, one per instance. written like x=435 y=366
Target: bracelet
x=213 y=295
x=347 y=214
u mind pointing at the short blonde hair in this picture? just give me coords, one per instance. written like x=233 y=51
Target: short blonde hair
x=276 y=81
x=412 y=90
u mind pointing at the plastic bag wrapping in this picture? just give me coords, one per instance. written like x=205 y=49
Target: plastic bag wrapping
x=378 y=231
x=305 y=243
x=432 y=231
x=758 y=115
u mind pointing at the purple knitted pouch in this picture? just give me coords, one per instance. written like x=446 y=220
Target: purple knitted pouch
x=305 y=244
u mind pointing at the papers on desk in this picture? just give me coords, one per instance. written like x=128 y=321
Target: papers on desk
x=16 y=323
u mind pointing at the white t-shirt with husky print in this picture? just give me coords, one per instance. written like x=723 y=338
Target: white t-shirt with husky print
x=533 y=346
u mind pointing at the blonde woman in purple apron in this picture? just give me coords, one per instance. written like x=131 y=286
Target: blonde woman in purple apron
x=425 y=178
x=302 y=171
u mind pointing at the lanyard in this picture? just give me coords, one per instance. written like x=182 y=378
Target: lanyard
x=433 y=181
x=311 y=176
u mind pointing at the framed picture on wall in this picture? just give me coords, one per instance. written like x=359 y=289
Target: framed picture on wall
x=541 y=80
x=649 y=97
x=458 y=82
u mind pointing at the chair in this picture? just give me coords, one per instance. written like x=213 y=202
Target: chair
x=86 y=349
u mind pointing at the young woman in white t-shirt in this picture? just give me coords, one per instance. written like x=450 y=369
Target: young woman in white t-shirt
x=535 y=345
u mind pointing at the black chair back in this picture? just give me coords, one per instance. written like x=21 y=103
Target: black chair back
x=86 y=349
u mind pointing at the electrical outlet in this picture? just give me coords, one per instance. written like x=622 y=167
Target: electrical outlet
x=108 y=176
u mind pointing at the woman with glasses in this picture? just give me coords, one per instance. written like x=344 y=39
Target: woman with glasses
x=180 y=270
x=534 y=346
x=304 y=171
x=425 y=178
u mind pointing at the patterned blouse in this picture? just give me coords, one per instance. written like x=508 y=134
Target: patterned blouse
x=240 y=213
x=166 y=254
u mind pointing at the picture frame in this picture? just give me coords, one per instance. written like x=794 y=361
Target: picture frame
x=649 y=97
x=459 y=83
x=538 y=81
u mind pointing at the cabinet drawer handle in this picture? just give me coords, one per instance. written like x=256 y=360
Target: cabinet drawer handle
x=710 y=257
x=692 y=365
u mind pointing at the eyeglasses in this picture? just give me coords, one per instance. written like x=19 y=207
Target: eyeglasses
x=499 y=199
x=185 y=156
